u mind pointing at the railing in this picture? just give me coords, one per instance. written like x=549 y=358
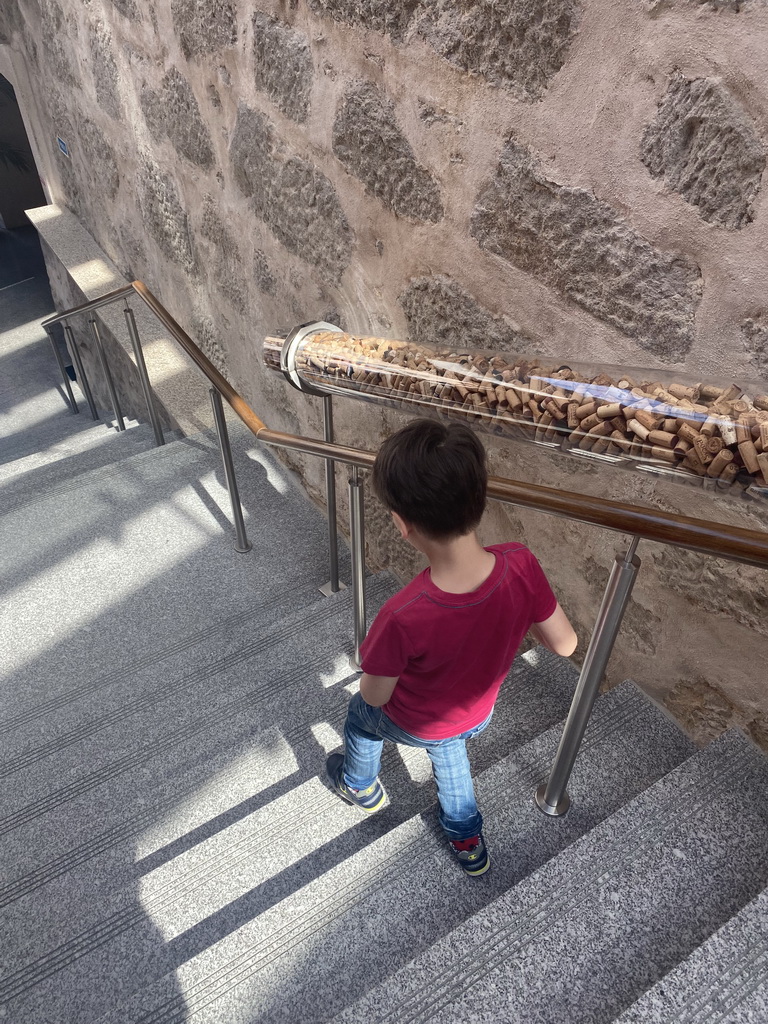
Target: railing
x=734 y=543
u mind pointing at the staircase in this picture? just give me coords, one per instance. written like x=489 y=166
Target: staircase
x=170 y=851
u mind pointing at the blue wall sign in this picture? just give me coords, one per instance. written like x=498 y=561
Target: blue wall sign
x=63 y=146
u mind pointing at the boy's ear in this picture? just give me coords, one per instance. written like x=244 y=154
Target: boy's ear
x=401 y=525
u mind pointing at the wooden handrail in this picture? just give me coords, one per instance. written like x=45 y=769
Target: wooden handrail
x=710 y=538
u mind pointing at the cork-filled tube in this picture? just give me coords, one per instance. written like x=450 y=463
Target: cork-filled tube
x=706 y=433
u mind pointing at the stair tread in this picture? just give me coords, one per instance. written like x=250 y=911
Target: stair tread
x=623 y=905
x=724 y=981
x=255 y=936
x=124 y=554
x=69 y=458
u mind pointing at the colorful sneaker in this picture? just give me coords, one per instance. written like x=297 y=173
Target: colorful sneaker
x=471 y=854
x=368 y=800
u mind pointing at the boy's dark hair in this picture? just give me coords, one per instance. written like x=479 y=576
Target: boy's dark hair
x=434 y=476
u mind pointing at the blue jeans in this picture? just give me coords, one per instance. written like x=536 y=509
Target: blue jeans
x=366 y=729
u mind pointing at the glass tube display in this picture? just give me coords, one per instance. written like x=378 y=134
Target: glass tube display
x=711 y=433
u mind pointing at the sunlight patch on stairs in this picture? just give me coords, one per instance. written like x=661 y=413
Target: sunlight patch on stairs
x=76 y=600
x=327 y=737
x=339 y=671
x=202 y=882
x=274 y=477
x=268 y=761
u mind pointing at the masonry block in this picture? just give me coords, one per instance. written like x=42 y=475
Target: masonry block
x=99 y=160
x=127 y=8
x=164 y=216
x=440 y=312
x=516 y=44
x=282 y=66
x=173 y=112
x=755 y=335
x=206 y=334
x=372 y=147
x=713 y=585
x=57 y=48
x=589 y=253
x=705 y=148
x=204 y=26
x=292 y=196
x=262 y=274
x=226 y=259
x=104 y=69
x=380 y=15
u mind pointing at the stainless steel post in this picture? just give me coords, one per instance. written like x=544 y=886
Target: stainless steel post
x=108 y=376
x=357 y=529
x=551 y=797
x=130 y=320
x=64 y=374
x=82 y=380
x=333 y=586
x=242 y=544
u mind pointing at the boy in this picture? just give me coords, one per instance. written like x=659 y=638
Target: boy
x=439 y=650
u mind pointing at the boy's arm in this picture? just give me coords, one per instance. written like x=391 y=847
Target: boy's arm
x=376 y=690
x=556 y=633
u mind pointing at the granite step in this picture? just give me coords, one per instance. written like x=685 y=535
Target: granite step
x=141 y=793
x=68 y=458
x=209 y=867
x=119 y=558
x=586 y=934
x=724 y=981
x=286 y=956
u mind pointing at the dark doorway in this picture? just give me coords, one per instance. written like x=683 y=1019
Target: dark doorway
x=20 y=187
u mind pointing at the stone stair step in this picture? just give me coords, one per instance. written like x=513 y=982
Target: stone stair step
x=586 y=934
x=286 y=953
x=150 y=784
x=724 y=981
x=68 y=458
x=124 y=555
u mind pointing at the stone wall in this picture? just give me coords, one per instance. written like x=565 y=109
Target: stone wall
x=574 y=177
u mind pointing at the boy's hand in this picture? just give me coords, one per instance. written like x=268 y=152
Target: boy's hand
x=376 y=690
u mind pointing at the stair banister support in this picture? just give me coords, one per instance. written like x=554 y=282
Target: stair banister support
x=242 y=544
x=333 y=586
x=107 y=376
x=551 y=797
x=357 y=530
x=64 y=374
x=141 y=365
x=82 y=380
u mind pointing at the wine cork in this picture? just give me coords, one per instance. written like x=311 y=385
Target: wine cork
x=728 y=475
x=688 y=432
x=638 y=428
x=760 y=402
x=607 y=412
x=665 y=454
x=649 y=419
x=762 y=460
x=749 y=456
x=663 y=438
x=700 y=445
x=720 y=461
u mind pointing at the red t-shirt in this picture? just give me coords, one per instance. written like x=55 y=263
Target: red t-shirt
x=452 y=652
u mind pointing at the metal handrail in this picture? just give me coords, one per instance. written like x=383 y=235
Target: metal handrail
x=710 y=538
x=718 y=539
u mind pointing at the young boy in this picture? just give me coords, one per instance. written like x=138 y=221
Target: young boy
x=439 y=650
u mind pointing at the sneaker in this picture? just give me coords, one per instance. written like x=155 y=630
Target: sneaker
x=368 y=800
x=471 y=854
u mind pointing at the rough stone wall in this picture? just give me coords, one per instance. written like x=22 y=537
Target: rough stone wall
x=578 y=178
